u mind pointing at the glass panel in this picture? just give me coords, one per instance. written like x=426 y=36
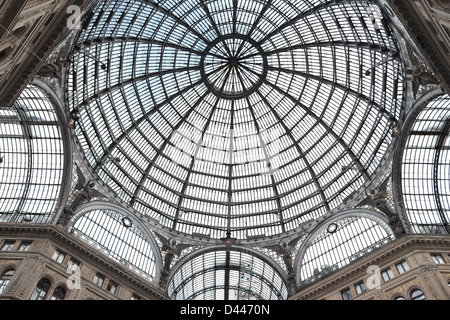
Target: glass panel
x=204 y=277
x=106 y=230
x=249 y=117
x=32 y=158
x=426 y=168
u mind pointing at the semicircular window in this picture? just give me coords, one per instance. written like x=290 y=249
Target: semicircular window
x=339 y=243
x=426 y=169
x=117 y=237
x=242 y=117
x=217 y=275
x=32 y=158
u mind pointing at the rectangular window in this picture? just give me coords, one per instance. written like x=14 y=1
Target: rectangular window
x=24 y=246
x=8 y=245
x=112 y=287
x=438 y=259
x=59 y=256
x=360 y=287
x=99 y=279
x=402 y=267
x=346 y=294
x=387 y=274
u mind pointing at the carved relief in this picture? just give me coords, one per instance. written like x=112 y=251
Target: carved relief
x=32 y=275
x=402 y=288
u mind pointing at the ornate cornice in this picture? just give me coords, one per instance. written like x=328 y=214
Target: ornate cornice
x=83 y=250
x=401 y=246
x=426 y=39
x=50 y=36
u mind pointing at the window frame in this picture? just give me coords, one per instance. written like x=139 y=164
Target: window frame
x=421 y=294
x=99 y=279
x=437 y=258
x=45 y=288
x=8 y=245
x=112 y=287
x=5 y=279
x=346 y=294
x=25 y=246
x=401 y=267
x=57 y=256
x=61 y=296
x=360 y=286
x=389 y=274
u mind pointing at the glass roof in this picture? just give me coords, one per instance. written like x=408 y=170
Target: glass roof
x=32 y=158
x=339 y=242
x=426 y=169
x=115 y=235
x=241 y=117
x=223 y=275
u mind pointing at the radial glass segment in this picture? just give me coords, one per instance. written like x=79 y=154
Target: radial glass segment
x=250 y=118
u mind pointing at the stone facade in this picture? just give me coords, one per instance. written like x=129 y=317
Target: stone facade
x=48 y=243
x=40 y=260
x=432 y=278
x=428 y=24
x=30 y=31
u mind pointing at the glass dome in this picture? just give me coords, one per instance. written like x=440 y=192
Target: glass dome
x=246 y=118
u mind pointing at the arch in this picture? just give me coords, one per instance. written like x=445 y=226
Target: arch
x=228 y=273
x=5 y=278
x=144 y=258
x=5 y=52
x=416 y=293
x=67 y=145
x=363 y=230
x=33 y=158
x=41 y=289
x=420 y=167
x=59 y=293
x=7 y=267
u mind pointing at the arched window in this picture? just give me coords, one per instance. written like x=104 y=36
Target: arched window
x=425 y=170
x=336 y=244
x=32 y=150
x=418 y=295
x=114 y=234
x=399 y=298
x=5 y=278
x=41 y=289
x=205 y=274
x=58 y=294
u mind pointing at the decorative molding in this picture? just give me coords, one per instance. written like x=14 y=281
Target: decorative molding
x=84 y=250
x=403 y=288
x=386 y=254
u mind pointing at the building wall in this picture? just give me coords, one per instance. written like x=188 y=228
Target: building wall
x=38 y=262
x=428 y=24
x=424 y=274
x=30 y=30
